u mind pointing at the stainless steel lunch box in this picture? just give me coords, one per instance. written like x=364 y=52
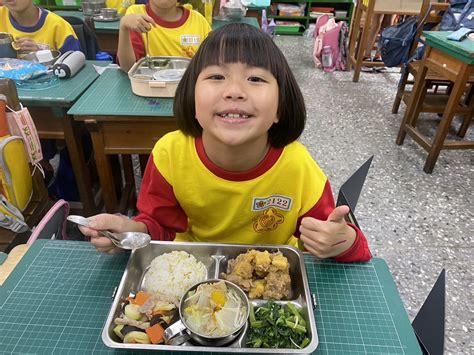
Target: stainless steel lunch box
x=146 y=79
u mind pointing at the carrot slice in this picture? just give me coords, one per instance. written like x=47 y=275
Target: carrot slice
x=155 y=333
x=140 y=298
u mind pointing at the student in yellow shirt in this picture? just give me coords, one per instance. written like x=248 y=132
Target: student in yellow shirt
x=234 y=172
x=35 y=28
x=169 y=29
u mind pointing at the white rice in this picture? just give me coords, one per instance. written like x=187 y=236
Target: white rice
x=171 y=274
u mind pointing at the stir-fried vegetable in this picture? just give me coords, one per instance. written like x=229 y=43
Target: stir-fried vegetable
x=275 y=326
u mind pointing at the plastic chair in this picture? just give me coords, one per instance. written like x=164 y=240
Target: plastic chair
x=53 y=224
x=86 y=35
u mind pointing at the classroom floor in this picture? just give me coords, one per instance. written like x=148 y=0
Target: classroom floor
x=418 y=223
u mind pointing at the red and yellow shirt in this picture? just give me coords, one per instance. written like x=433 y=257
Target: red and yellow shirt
x=186 y=197
x=179 y=38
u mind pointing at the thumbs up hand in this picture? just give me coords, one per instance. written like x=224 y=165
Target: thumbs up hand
x=329 y=238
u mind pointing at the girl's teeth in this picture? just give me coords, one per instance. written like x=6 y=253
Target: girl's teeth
x=234 y=115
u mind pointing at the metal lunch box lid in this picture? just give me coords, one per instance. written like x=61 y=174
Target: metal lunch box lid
x=169 y=75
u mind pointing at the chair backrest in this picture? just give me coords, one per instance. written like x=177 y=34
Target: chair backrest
x=86 y=35
x=53 y=224
x=431 y=21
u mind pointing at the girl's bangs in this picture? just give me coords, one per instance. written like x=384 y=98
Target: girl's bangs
x=253 y=48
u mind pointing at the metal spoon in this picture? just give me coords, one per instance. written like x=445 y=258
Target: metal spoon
x=126 y=240
x=149 y=61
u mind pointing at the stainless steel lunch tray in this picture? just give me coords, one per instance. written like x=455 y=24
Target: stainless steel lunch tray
x=142 y=80
x=215 y=258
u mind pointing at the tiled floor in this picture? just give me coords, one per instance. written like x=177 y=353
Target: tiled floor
x=418 y=223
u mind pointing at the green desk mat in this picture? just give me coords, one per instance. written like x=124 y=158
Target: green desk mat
x=57 y=299
x=111 y=95
x=463 y=50
x=65 y=92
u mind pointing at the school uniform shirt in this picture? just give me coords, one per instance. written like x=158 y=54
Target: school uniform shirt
x=50 y=32
x=186 y=197
x=179 y=38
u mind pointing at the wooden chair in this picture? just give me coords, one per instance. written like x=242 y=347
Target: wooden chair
x=360 y=35
x=436 y=99
x=40 y=202
x=433 y=19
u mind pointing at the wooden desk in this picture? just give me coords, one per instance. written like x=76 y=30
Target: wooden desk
x=107 y=32
x=455 y=62
x=120 y=123
x=58 y=297
x=48 y=109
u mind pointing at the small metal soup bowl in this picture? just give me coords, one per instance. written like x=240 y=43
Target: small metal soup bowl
x=180 y=332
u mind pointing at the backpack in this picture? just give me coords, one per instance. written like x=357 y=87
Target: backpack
x=460 y=14
x=395 y=42
x=16 y=183
x=334 y=35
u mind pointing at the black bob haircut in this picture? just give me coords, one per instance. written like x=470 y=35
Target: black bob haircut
x=249 y=45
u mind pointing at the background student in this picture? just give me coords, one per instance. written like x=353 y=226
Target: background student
x=35 y=28
x=162 y=28
x=234 y=171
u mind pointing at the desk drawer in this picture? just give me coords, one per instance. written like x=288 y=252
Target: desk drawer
x=47 y=124
x=444 y=64
x=137 y=137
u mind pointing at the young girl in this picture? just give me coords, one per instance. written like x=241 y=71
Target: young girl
x=160 y=28
x=234 y=172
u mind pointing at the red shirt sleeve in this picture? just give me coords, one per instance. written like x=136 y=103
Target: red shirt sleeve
x=158 y=207
x=137 y=44
x=359 y=251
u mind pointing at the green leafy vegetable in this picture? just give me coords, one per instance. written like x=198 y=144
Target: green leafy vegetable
x=275 y=326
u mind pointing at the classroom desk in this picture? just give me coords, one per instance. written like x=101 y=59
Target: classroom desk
x=455 y=62
x=58 y=297
x=107 y=32
x=121 y=123
x=48 y=109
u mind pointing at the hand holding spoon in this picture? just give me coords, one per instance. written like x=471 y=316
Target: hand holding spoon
x=126 y=240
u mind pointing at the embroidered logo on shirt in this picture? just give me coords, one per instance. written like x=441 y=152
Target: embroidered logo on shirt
x=188 y=52
x=189 y=40
x=277 y=201
x=268 y=221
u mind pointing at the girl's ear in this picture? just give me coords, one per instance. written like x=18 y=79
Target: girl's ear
x=276 y=120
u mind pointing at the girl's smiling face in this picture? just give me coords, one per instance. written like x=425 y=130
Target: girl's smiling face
x=236 y=104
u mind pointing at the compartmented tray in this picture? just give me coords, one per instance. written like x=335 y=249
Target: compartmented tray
x=215 y=258
x=157 y=78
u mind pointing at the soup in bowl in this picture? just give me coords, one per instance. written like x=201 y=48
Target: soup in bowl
x=212 y=312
